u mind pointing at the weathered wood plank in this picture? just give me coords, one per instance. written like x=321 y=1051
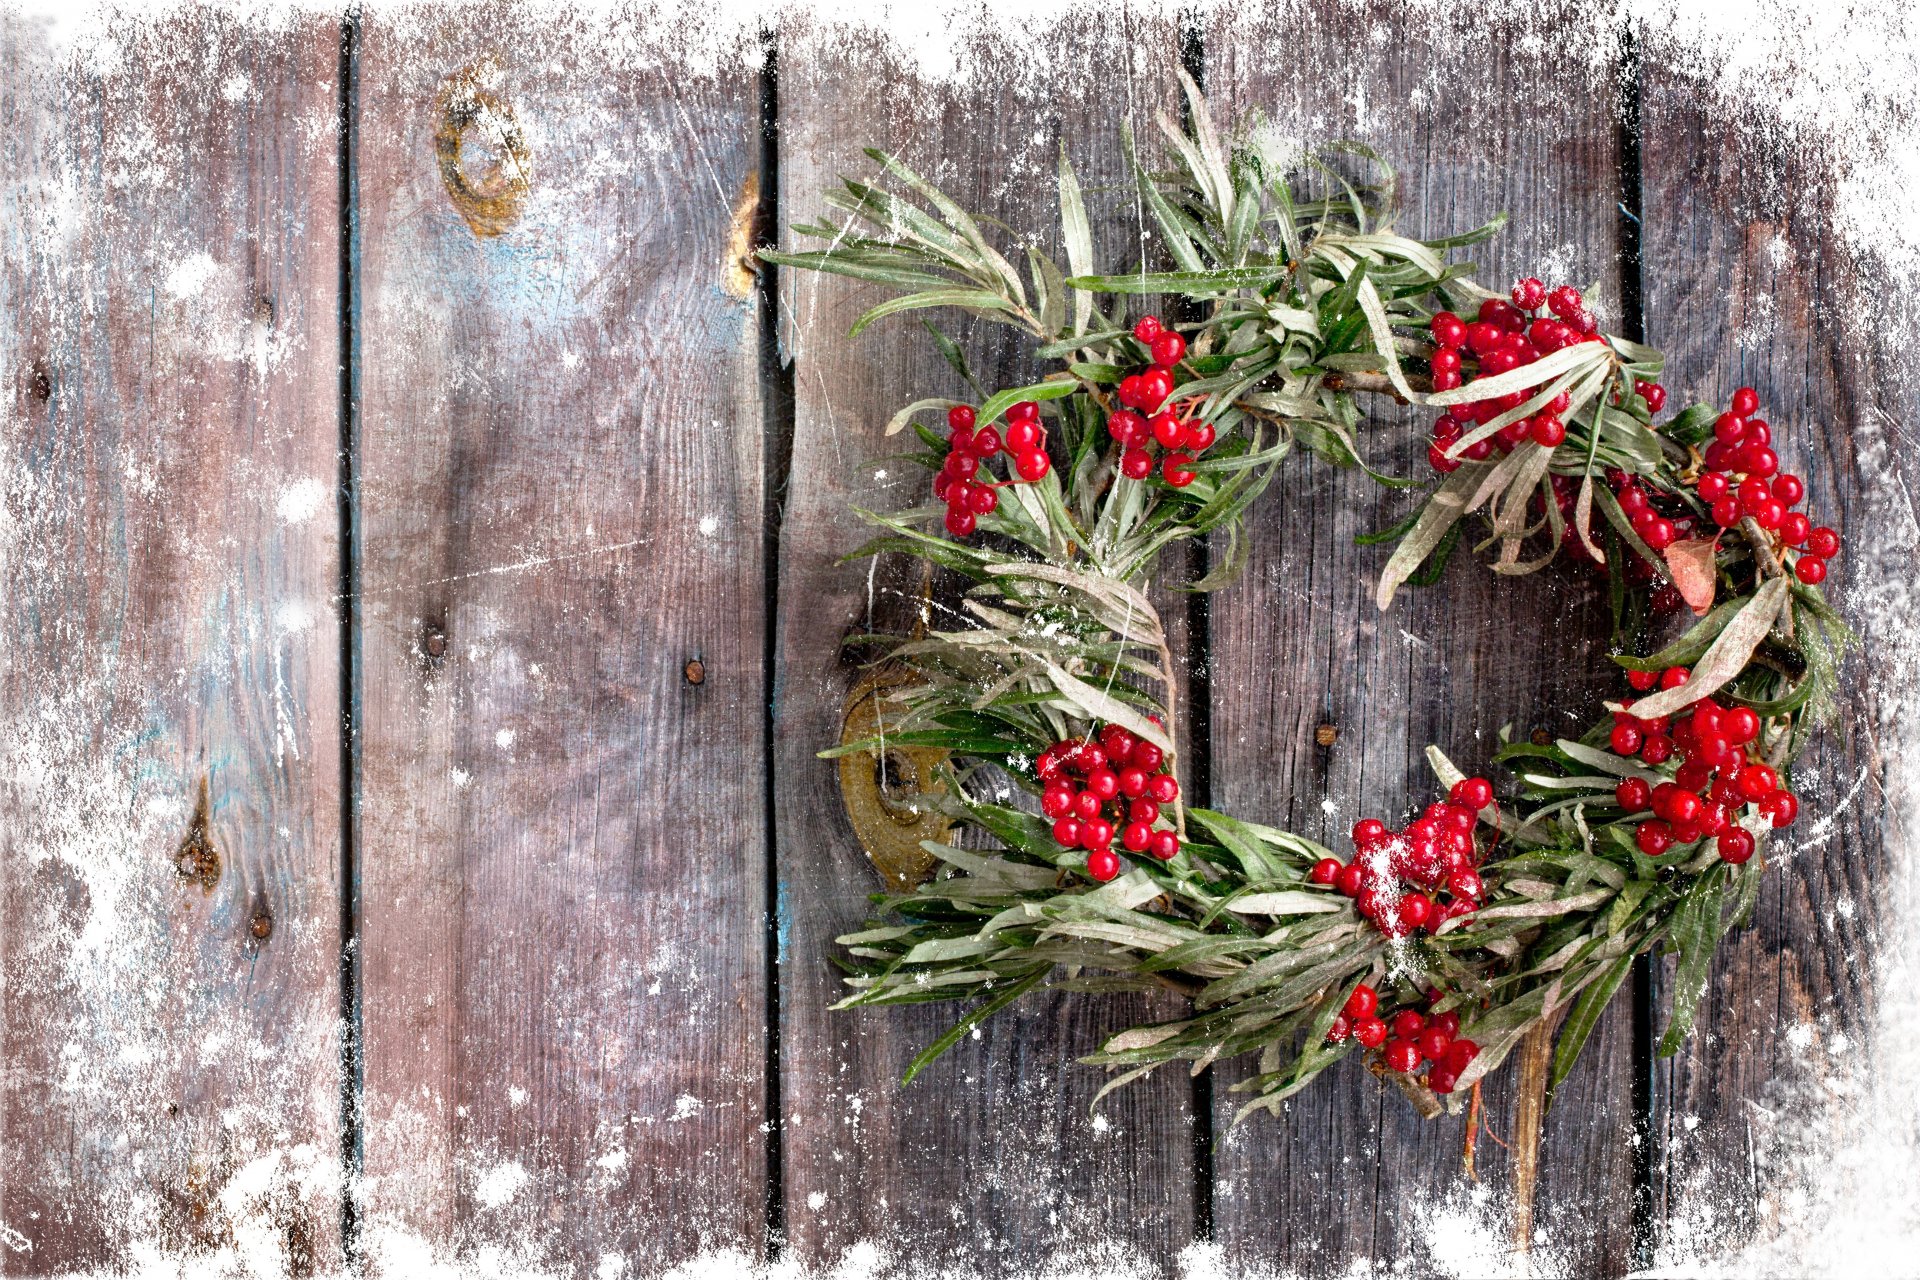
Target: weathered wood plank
x=1750 y=281
x=169 y=686
x=561 y=833
x=990 y=1160
x=1477 y=121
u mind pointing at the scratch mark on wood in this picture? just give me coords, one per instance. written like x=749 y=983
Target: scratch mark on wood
x=196 y=859
x=517 y=566
x=484 y=161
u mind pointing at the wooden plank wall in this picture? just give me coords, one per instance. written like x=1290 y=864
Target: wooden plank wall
x=169 y=922
x=584 y=638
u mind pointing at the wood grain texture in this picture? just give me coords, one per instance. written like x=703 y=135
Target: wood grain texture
x=168 y=653
x=562 y=834
x=1476 y=122
x=1751 y=281
x=989 y=1163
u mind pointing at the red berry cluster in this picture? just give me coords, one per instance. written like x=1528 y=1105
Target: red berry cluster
x=964 y=483
x=1416 y=1038
x=1743 y=478
x=1155 y=424
x=1435 y=853
x=1717 y=779
x=1506 y=336
x=1106 y=783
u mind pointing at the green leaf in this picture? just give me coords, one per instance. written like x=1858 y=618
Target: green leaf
x=1586 y=1014
x=1727 y=657
x=1447 y=505
x=974 y=299
x=1696 y=928
x=973 y=1019
x=1224 y=280
x=1078 y=234
x=1001 y=401
x=899 y=420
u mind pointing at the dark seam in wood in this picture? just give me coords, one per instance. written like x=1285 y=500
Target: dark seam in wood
x=1630 y=117
x=777 y=409
x=352 y=1138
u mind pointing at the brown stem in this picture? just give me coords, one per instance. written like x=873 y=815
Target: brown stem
x=1529 y=1111
x=1376 y=383
x=1424 y=1100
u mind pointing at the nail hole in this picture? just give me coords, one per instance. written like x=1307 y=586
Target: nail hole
x=42 y=382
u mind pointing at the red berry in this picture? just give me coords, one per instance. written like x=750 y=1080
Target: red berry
x=1460 y=1054
x=1147 y=328
x=1096 y=833
x=1056 y=801
x=1024 y=411
x=1735 y=846
x=1726 y=512
x=1528 y=293
x=1174 y=470
x=1447 y=329
x=1497 y=312
x=1746 y=402
x=1433 y=1044
x=1022 y=438
x=1407 y=1024
x=1325 y=871
x=982 y=500
x=1147 y=756
x=1103 y=865
x=1712 y=486
x=1155 y=387
x=1402 y=1056
x=1472 y=793
x=1794 y=529
x=1164 y=846
x=1824 y=542
x=1654 y=394
x=1133 y=782
x=1200 y=436
x=1633 y=795
x=1129 y=390
x=1642 y=681
x=1811 y=570
x=961 y=523
x=1740 y=725
x=1448 y=1022
x=1136 y=836
x=1032 y=465
x=1368 y=832
x=1168 y=349
x=1625 y=739
x=1466 y=885
x=960 y=417
x=1548 y=431
x=1566 y=302
x=1104 y=783
x=1437 y=459
x=1067 y=832
x=1654 y=838
x=1361 y=1002
x=1729 y=427
x=1445 y=360
x=1136 y=464
x=1757 y=782
x=1162 y=788
x=1781 y=808
x=1415 y=908
x=1788 y=488
x=1125 y=425
x=1167 y=432
x=1483 y=339
x=1339 y=1029
x=1086 y=805
x=1143 y=811
x=1370 y=1032
x=1351 y=880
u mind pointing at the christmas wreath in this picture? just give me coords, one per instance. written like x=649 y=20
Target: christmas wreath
x=1062 y=852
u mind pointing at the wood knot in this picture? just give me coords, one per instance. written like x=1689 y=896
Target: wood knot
x=196 y=860
x=1325 y=735
x=695 y=671
x=41 y=382
x=484 y=161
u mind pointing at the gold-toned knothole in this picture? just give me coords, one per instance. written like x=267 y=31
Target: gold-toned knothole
x=887 y=789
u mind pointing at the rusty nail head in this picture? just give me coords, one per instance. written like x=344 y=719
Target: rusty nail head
x=696 y=671
x=436 y=643
x=1325 y=735
x=263 y=926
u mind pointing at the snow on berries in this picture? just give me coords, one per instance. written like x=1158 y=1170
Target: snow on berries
x=1407 y=1039
x=1505 y=335
x=965 y=484
x=1108 y=786
x=1720 y=776
x=1419 y=877
x=1147 y=420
